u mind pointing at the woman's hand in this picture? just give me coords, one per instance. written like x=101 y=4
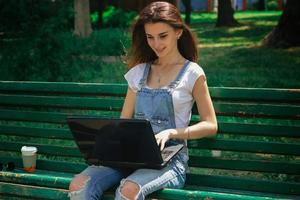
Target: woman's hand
x=163 y=136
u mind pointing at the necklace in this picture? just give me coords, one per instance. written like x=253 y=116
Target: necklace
x=159 y=76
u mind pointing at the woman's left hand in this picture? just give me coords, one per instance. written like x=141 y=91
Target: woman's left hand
x=162 y=137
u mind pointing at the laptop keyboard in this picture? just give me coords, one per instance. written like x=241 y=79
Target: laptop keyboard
x=165 y=154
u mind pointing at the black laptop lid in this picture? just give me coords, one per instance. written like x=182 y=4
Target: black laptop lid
x=115 y=141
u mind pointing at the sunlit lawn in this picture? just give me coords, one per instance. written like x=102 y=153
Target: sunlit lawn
x=234 y=57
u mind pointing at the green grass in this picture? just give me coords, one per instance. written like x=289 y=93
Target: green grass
x=234 y=56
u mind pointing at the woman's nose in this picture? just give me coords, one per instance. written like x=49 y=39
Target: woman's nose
x=156 y=43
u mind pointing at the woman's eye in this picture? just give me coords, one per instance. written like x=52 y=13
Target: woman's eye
x=163 y=36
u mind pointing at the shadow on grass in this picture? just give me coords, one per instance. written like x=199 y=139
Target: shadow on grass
x=251 y=66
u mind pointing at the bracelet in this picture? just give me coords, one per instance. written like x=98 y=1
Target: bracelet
x=188 y=133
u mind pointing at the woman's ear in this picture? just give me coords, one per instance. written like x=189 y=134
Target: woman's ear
x=179 y=33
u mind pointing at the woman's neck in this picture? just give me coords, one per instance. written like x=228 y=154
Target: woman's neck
x=172 y=59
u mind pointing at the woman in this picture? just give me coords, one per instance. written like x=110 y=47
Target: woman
x=163 y=83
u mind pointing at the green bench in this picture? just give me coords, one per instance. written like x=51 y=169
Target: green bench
x=255 y=155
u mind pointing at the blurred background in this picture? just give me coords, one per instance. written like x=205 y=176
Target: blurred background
x=242 y=43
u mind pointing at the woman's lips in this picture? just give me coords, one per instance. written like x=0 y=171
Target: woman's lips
x=159 y=50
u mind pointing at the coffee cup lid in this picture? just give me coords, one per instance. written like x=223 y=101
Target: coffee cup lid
x=28 y=150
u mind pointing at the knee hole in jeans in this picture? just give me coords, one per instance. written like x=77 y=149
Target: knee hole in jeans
x=78 y=182
x=129 y=189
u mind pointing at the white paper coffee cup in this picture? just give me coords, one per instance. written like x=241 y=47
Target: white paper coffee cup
x=29 y=155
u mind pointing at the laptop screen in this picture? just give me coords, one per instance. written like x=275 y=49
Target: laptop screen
x=115 y=140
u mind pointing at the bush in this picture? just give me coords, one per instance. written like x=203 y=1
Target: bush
x=272 y=5
x=28 y=16
x=260 y=5
x=60 y=56
x=116 y=17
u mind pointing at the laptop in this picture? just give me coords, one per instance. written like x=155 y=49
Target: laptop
x=126 y=143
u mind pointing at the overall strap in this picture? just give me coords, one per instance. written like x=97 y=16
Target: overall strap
x=175 y=83
x=143 y=80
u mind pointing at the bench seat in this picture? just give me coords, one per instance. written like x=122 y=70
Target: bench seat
x=255 y=155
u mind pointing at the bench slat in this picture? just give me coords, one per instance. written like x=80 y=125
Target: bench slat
x=224 y=127
x=250 y=109
x=245 y=146
x=259 y=129
x=116 y=104
x=36 y=132
x=63 y=87
x=264 y=94
x=42 y=148
x=62 y=102
x=28 y=191
x=207 y=194
x=47 y=117
x=38 y=178
x=49 y=165
x=256 y=94
x=244 y=184
x=245 y=165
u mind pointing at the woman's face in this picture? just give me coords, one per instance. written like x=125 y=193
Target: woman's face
x=162 y=38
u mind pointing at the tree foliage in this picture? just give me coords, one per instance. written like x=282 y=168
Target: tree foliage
x=30 y=16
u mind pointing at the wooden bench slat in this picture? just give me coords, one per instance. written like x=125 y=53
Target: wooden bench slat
x=62 y=102
x=49 y=165
x=243 y=193
x=263 y=94
x=38 y=178
x=256 y=94
x=63 y=87
x=116 y=104
x=246 y=146
x=27 y=191
x=32 y=116
x=224 y=127
x=54 y=133
x=47 y=117
x=244 y=184
x=250 y=109
x=245 y=165
x=259 y=129
x=54 y=150
x=180 y=194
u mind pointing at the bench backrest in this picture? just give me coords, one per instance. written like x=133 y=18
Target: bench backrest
x=257 y=146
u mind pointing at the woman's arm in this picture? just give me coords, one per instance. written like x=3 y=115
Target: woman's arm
x=206 y=127
x=129 y=104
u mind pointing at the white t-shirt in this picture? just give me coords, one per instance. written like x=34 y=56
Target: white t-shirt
x=182 y=95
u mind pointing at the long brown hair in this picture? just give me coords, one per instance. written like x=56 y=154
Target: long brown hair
x=165 y=12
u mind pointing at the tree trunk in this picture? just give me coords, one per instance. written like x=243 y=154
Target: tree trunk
x=83 y=27
x=188 y=10
x=287 y=32
x=225 y=14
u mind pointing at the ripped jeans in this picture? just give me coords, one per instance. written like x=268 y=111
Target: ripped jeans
x=101 y=178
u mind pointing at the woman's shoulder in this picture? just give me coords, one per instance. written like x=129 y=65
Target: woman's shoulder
x=134 y=75
x=195 y=68
x=137 y=69
x=193 y=72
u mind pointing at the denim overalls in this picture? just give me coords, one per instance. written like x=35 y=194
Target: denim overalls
x=156 y=105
